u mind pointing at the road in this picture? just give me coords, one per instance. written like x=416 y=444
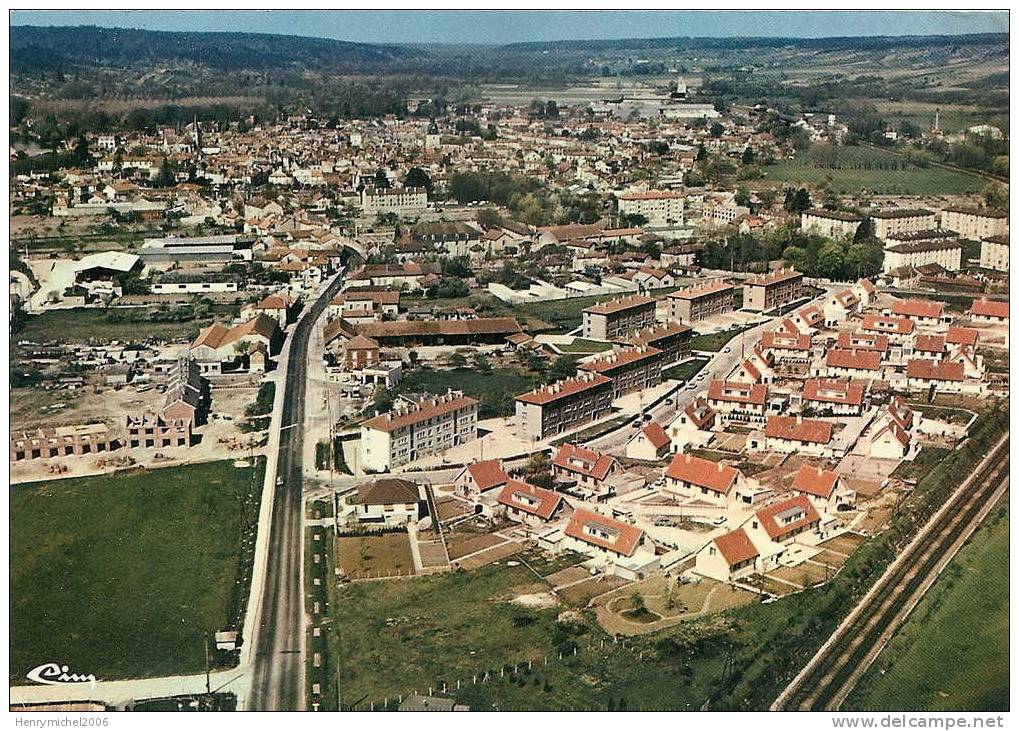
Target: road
x=832 y=674
x=277 y=672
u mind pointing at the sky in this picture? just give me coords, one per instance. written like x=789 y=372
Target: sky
x=503 y=26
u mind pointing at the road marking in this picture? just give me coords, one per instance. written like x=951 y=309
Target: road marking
x=288 y=426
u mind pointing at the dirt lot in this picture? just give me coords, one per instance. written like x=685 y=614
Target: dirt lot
x=464 y=544
x=580 y=594
x=805 y=574
x=777 y=588
x=845 y=543
x=666 y=603
x=499 y=552
x=451 y=508
x=364 y=557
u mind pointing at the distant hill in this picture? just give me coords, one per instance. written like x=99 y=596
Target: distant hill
x=50 y=47
x=870 y=43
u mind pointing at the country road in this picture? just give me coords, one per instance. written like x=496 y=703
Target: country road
x=277 y=671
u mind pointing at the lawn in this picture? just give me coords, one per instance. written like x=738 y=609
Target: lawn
x=930 y=665
x=122 y=576
x=496 y=389
x=684 y=371
x=917 y=467
x=856 y=170
x=81 y=324
x=714 y=342
x=582 y=347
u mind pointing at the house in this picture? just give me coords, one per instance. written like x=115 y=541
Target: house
x=896 y=329
x=840 y=306
x=781 y=522
x=833 y=396
x=390 y=501
x=824 y=488
x=694 y=477
x=756 y=368
x=989 y=311
x=923 y=313
x=219 y=348
x=360 y=352
x=651 y=443
x=693 y=425
x=784 y=347
x=528 y=504
x=849 y=340
x=890 y=436
x=728 y=558
x=478 y=478
x=736 y=402
x=791 y=434
x=585 y=467
x=862 y=365
x=622 y=546
x=282 y=308
x=940 y=377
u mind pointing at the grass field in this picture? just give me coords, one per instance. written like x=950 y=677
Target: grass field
x=121 y=576
x=952 y=653
x=582 y=347
x=713 y=341
x=495 y=389
x=78 y=325
x=684 y=371
x=855 y=170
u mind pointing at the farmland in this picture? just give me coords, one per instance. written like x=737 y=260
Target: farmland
x=96 y=567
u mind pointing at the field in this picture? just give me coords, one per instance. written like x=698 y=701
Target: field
x=381 y=555
x=582 y=347
x=122 y=576
x=713 y=341
x=81 y=324
x=495 y=389
x=684 y=371
x=858 y=170
x=952 y=653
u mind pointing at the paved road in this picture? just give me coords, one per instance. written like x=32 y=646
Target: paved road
x=278 y=671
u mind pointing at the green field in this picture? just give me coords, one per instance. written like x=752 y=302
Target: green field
x=583 y=347
x=713 y=341
x=684 y=371
x=81 y=324
x=121 y=576
x=495 y=389
x=952 y=653
x=856 y=170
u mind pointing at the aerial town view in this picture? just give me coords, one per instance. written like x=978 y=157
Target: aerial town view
x=507 y=360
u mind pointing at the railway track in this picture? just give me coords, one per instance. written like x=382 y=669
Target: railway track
x=831 y=675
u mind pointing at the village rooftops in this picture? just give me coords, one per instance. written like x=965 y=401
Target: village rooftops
x=715 y=476
x=700 y=412
x=217 y=335
x=770 y=278
x=785 y=341
x=929 y=344
x=656 y=435
x=563 y=389
x=887 y=324
x=958 y=335
x=705 y=289
x=862 y=341
x=833 y=215
x=989 y=308
x=530 y=499
x=488 y=474
x=405 y=414
x=653 y=335
x=388 y=491
x=620 y=304
x=798 y=429
x=604 y=532
x=917 y=308
x=815 y=481
x=787 y=516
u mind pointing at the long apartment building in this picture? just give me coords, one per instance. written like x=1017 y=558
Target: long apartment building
x=559 y=406
x=715 y=297
x=975 y=223
x=946 y=253
x=401 y=201
x=899 y=220
x=415 y=429
x=774 y=289
x=618 y=318
x=632 y=369
x=833 y=224
x=994 y=253
x=672 y=338
x=657 y=206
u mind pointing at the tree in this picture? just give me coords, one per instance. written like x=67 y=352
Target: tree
x=489 y=218
x=996 y=196
x=795 y=257
x=830 y=260
x=742 y=196
x=716 y=130
x=797 y=200
x=383 y=401
x=381 y=179
x=165 y=177
x=748 y=156
x=565 y=366
x=418 y=178
x=457 y=360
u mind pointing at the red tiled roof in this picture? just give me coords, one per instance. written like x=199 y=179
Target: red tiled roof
x=929 y=343
x=929 y=370
x=488 y=474
x=867 y=360
x=583 y=461
x=702 y=290
x=785 y=341
x=958 y=335
x=743 y=393
x=736 y=547
x=656 y=435
x=765 y=280
x=622 y=538
x=798 y=507
x=880 y=323
x=702 y=472
x=619 y=304
x=833 y=390
x=530 y=499
x=917 y=308
x=862 y=341
x=798 y=429
x=425 y=409
x=989 y=308
x=619 y=359
x=562 y=389
x=815 y=481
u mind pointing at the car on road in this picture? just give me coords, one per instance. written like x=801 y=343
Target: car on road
x=727 y=349
x=279 y=482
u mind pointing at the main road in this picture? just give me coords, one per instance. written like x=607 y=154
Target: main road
x=277 y=669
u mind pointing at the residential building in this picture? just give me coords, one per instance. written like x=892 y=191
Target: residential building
x=740 y=403
x=672 y=338
x=824 y=488
x=774 y=289
x=900 y=220
x=832 y=224
x=994 y=253
x=414 y=430
x=925 y=314
x=701 y=479
x=650 y=444
x=989 y=311
x=478 y=478
x=632 y=369
x=946 y=253
x=529 y=504
x=622 y=546
x=728 y=557
x=659 y=207
x=401 y=201
x=791 y=434
x=618 y=318
x=863 y=365
x=153 y=431
x=714 y=297
x=975 y=224
x=833 y=396
x=585 y=467
x=557 y=407
x=390 y=501
x=61 y=441
x=692 y=426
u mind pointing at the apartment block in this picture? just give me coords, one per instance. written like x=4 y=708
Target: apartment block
x=899 y=220
x=715 y=297
x=994 y=253
x=618 y=318
x=632 y=369
x=61 y=441
x=975 y=223
x=771 y=290
x=417 y=429
x=833 y=224
x=553 y=409
x=659 y=207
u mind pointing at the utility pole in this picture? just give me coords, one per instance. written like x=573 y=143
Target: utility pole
x=208 y=681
